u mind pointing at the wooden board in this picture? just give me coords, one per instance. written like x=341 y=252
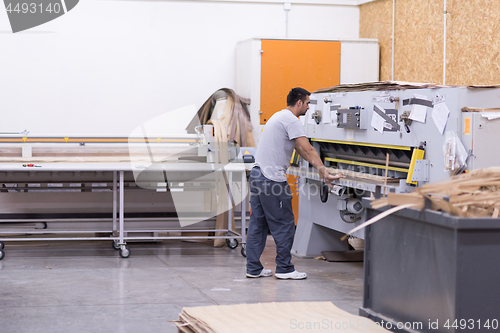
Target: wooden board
x=375 y=21
x=361 y=175
x=280 y=317
x=472 y=43
x=473 y=109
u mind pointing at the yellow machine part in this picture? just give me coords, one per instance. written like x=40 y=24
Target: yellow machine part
x=364 y=144
x=364 y=164
x=418 y=154
x=292 y=181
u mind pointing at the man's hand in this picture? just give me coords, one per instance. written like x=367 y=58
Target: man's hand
x=304 y=148
x=324 y=174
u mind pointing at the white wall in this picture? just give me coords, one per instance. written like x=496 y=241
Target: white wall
x=360 y=61
x=107 y=66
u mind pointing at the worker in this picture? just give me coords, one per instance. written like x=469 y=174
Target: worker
x=270 y=194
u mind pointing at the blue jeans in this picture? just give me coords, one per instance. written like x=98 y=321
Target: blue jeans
x=271 y=204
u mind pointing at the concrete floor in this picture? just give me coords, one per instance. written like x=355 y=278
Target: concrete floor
x=86 y=287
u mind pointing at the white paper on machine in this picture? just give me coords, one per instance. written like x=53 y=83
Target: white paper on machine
x=326 y=114
x=418 y=111
x=309 y=117
x=490 y=115
x=440 y=114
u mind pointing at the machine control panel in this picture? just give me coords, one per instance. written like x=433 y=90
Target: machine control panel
x=351 y=118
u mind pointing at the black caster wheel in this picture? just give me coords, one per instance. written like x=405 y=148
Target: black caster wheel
x=2 y=245
x=124 y=252
x=115 y=245
x=243 y=251
x=232 y=243
x=2 y=254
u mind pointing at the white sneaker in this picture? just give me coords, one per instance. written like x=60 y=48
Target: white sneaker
x=263 y=273
x=292 y=275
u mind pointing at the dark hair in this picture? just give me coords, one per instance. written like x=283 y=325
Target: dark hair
x=295 y=94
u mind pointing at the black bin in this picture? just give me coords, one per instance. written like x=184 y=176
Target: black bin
x=427 y=271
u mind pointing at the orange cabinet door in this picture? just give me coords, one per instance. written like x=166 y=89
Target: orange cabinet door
x=286 y=64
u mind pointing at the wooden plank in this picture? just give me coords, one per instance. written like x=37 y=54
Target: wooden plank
x=376 y=204
x=474 y=109
x=460 y=199
x=496 y=211
x=386 y=171
x=361 y=175
x=377 y=218
x=396 y=199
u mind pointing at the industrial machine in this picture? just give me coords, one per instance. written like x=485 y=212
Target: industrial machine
x=386 y=137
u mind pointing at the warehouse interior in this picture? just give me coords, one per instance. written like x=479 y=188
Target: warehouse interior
x=130 y=128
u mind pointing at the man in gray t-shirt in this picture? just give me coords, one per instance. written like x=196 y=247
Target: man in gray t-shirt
x=278 y=137
x=270 y=194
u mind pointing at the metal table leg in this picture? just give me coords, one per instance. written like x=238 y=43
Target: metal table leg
x=230 y=201
x=116 y=246
x=115 y=203
x=124 y=251
x=243 y=212
x=232 y=243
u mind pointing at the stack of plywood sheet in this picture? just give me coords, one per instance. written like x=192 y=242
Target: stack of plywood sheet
x=273 y=317
x=383 y=85
x=390 y=85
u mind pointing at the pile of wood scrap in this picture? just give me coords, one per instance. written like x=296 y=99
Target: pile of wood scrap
x=474 y=194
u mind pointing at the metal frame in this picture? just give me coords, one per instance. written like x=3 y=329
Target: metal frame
x=119 y=233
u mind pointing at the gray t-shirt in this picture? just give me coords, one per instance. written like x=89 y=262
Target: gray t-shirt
x=276 y=144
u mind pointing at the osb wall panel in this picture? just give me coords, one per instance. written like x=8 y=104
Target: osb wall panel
x=418 y=38
x=473 y=42
x=419 y=41
x=376 y=22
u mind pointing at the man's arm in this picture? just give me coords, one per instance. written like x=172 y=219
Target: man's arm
x=307 y=152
